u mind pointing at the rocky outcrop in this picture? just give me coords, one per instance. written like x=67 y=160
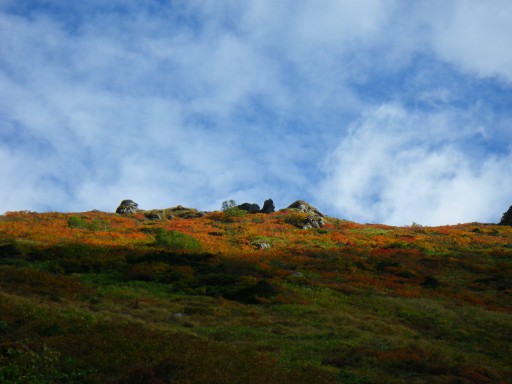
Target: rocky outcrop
x=127 y=207
x=251 y=208
x=304 y=207
x=314 y=218
x=506 y=219
x=268 y=207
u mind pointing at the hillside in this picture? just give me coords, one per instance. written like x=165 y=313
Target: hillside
x=181 y=296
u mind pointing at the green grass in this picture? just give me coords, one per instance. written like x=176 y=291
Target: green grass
x=370 y=231
x=171 y=312
x=175 y=240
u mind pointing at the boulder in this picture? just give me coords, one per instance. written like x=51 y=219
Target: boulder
x=304 y=207
x=506 y=219
x=251 y=208
x=314 y=219
x=268 y=207
x=127 y=207
x=262 y=245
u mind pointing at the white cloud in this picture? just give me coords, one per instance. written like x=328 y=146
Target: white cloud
x=400 y=167
x=475 y=35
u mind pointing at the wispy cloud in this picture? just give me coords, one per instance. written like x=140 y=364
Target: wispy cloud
x=198 y=102
x=475 y=36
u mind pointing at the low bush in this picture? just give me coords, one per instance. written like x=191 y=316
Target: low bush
x=146 y=271
x=95 y=225
x=22 y=363
x=297 y=219
x=176 y=241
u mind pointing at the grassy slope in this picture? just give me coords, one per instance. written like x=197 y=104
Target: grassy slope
x=96 y=297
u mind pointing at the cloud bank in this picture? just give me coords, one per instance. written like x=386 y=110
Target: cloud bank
x=400 y=167
x=381 y=111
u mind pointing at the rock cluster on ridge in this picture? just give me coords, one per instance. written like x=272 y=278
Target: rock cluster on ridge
x=251 y=208
x=127 y=207
x=506 y=219
x=268 y=207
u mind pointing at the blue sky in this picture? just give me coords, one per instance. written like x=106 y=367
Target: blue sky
x=374 y=111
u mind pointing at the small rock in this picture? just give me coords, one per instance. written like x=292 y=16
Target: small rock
x=127 y=207
x=262 y=245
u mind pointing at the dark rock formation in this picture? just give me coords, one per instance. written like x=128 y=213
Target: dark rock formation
x=506 y=219
x=251 y=208
x=268 y=207
x=127 y=207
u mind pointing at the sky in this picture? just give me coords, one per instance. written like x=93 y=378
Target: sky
x=375 y=111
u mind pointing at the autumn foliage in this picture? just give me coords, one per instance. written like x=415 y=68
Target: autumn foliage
x=96 y=297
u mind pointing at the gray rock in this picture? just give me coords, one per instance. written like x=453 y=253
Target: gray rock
x=127 y=207
x=304 y=207
x=315 y=218
x=268 y=207
x=313 y=222
x=262 y=245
